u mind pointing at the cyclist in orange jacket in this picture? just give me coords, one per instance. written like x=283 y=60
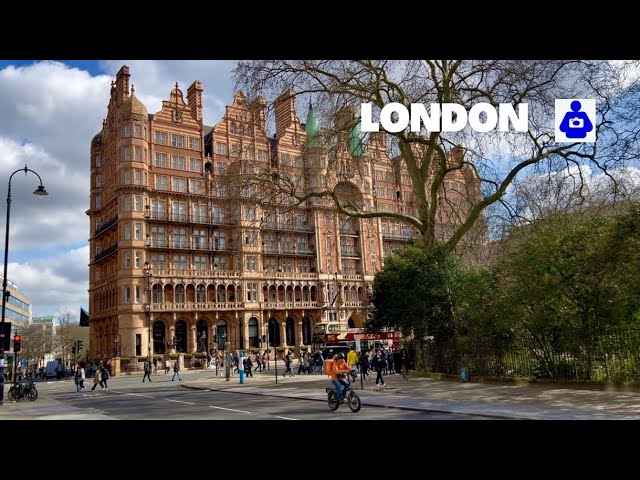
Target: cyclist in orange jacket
x=339 y=371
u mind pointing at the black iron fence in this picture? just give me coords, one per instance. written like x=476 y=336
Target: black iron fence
x=609 y=356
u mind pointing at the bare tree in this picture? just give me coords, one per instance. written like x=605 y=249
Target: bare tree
x=492 y=160
x=67 y=321
x=37 y=342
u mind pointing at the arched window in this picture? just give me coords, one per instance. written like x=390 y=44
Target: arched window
x=221 y=294
x=157 y=293
x=201 y=296
x=179 y=294
x=306 y=330
x=274 y=333
x=202 y=335
x=254 y=338
x=290 y=328
x=221 y=333
x=158 y=336
x=181 y=336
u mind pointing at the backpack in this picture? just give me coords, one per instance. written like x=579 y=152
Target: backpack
x=328 y=364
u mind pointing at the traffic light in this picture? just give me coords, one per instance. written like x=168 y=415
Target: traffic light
x=79 y=345
x=6 y=336
x=73 y=349
x=16 y=343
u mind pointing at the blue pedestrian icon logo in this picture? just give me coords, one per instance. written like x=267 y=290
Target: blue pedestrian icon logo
x=575 y=119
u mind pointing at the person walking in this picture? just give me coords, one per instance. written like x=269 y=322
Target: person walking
x=248 y=366
x=147 y=370
x=105 y=377
x=379 y=364
x=80 y=376
x=404 y=363
x=364 y=366
x=97 y=379
x=155 y=366
x=176 y=371
x=287 y=363
x=352 y=359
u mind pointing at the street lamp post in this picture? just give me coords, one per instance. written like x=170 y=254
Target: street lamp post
x=40 y=192
x=149 y=279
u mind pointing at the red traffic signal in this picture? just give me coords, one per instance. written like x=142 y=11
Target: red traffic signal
x=17 y=338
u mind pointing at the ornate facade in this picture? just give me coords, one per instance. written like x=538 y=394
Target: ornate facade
x=184 y=259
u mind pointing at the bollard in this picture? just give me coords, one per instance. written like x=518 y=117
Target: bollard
x=241 y=367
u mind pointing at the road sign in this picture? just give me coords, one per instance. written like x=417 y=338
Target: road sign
x=358 y=348
x=23 y=363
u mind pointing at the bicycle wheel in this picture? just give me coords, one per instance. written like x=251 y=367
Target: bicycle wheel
x=353 y=400
x=333 y=402
x=32 y=394
x=13 y=394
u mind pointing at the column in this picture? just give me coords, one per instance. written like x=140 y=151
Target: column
x=283 y=332
x=192 y=347
x=299 y=333
x=245 y=333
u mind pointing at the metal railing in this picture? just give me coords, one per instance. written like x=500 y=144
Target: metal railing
x=610 y=356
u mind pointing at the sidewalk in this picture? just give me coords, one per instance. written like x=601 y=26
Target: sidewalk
x=530 y=402
x=45 y=408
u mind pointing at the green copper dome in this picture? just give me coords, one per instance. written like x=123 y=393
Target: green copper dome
x=312 y=127
x=355 y=141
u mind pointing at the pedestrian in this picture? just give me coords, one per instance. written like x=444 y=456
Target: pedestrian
x=167 y=366
x=301 y=368
x=176 y=371
x=79 y=379
x=352 y=359
x=105 y=377
x=97 y=378
x=248 y=365
x=364 y=366
x=147 y=369
x=258 y=362
x=404 y=361
x=379 y=364
x=288 y=362
x=155 y=366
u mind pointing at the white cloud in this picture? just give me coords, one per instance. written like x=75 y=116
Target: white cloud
x=154 y=80
x=54 y=283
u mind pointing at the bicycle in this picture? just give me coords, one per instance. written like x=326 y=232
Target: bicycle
x=22 y=390
x=348 y=395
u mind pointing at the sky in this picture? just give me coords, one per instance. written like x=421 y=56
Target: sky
x=49 y=112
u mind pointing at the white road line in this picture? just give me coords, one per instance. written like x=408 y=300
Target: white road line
x=285 y=418
x=179 y=401
x=138 y=395
x=230 y=409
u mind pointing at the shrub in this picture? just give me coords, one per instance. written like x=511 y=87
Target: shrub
x=280 y=349
x=124 y=359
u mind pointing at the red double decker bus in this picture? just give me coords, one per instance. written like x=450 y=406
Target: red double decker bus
x=326 y=334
